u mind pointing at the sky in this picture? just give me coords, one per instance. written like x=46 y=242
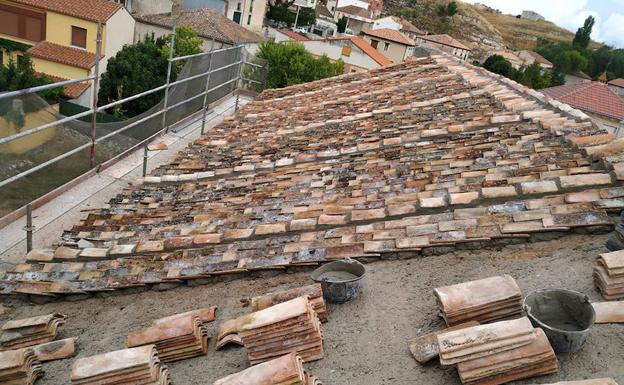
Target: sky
x=570 y=14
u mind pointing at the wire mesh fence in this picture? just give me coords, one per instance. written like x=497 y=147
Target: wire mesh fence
x=41 y=150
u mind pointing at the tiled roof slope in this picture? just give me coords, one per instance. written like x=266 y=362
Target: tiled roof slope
x=207 y=22
x=594 y=97
x=293 y=35
x=390 y=34
x=619 y=82
x=446 y=40
x=94 y=10
x=65 y=55
x=428 y=153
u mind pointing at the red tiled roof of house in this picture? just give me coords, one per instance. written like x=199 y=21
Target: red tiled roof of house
x=445 y=40
x=539 y=58
x=619 y=82
x=94 y=10
x=207 y=23
x=406 y=25
x=72 y=91
x=293 y=35
x=357 y=11
x=593 y=97
x=390 y=34
x=65 y=55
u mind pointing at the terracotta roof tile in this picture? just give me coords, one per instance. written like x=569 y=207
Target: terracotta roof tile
x=619 y=82
x=370 y=51
x=293 y=35
x=594 y=97
x=208 y=23
x=445 y=40
x=357 y=11
x=539 y=58
x=94 y=10
x=72 y=91
x=60 y=54
x=432 y=152
x=389 y=34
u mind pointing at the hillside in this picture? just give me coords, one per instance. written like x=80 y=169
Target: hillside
x=483 y=30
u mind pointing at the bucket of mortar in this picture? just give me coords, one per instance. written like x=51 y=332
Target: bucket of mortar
x=565 y=316
x=341 y=280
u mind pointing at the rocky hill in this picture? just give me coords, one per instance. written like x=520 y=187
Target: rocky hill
x=484 y=30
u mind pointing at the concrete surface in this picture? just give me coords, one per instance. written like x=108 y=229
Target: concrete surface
x=366 y=340
x=68 y=208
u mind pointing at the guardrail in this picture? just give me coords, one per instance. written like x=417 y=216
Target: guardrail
x=234 y=81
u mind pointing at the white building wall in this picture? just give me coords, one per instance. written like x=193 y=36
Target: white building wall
x=333 y=50
x=387 y=22
x=120 y=31
x=143 y=29
x=147 y=7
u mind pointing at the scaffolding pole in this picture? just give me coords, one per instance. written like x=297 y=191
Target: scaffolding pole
x=96 y=82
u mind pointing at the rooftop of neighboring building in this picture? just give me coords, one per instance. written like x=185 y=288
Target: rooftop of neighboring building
x=445 y=40
x=391 y=35
x=619 y=82
x=592 y=97
x=539 y=58
x=356 y=11
x=207 y=22
x=61 y=54
x=408 y=26
x=93 y=10
x=292 y=35
x=321 y=10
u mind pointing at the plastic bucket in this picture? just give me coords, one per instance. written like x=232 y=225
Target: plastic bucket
x=341 y=280
x=565 y=316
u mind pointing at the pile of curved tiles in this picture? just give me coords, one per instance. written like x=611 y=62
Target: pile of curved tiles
x=314 y=293
x=30 y=331
x=19 y=367
x=609 y=274
x=285 y=370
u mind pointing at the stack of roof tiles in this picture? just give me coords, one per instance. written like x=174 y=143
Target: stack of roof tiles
x=30 y=331
x=176 y=337
x=314 y=293
x=19 y=367
x=429 y=153
x=123 y=367
x=483 y=300
x=288 y=327
x=285 y=370
x=609 y=274
x=498 y=353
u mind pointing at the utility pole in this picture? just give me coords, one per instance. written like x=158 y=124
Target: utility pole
x=296 y=18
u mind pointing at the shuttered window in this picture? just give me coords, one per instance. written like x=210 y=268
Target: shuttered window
x=79 y=37
x=22 y=23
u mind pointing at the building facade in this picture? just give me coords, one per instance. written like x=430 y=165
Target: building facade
x=355 y=52
x=393 y=44
x=617 y=86
x=61 y=37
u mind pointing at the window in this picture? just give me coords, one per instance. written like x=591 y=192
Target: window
x=251 y=6
x=386 y=46
x=374 y=43
x=79 y=37
x=248 y=19
x=22 y=23
x=238 y=6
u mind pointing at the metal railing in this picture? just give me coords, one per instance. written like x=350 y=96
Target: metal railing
x=235 y=81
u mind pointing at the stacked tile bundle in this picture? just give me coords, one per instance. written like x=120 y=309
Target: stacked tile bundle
x=314 y=293
x=177 y=337
x=30 y=331
x=287 y=369
x=498 y=353
x=122 y=367
x=288 y=327
x=483 y=300
x=609 y=274
x=19 y=367
x=425 y=348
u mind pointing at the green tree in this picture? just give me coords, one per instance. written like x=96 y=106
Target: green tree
x=451 y=8
x=342 y=24
x=136 y=68
x=534 y=77
x=499 y=65
x=571 y=61
x=291 y=64
x=20 y=74
x=186 y=43
x=583 y=34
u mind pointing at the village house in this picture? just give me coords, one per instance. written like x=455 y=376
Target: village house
x=399 y=24
x=511 y=57
x=325 y=25
x=358 y=19
x=578 y=77
x=597 y=100
x=617 y=85
x=530 y=57
x=282 y=35
x=60 y=36
x=531 y=15
x=391 y=43
x=247 y=13
x=214 y=28
x=357 y=54
x=444 y=43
